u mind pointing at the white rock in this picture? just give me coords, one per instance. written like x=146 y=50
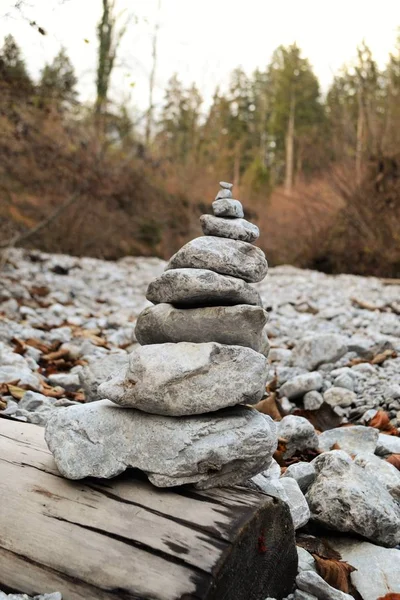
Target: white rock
x=188 y=379
x=312 y=583
x=339 y=396
x=387 y=444
x=378 y=568
x=306 y=560
x=235 y=229
x=298 y=433
x=226 y=207
x=99 y=370
x=100 y=439
x=303 y=472
x=344 y=381
x=344 y=497
x=353 y=439
x=68 y=381
x=313 y=400
x=383 y=471
x=298 y=386
x=300 y=595
x=323 y=348
x=288 y=491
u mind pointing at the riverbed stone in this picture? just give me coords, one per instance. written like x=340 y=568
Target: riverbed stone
x=235 y=229
x=353 y=439
x=226 y=207
x=303 y=472
x=101 y=439
x=240 y=325
x=313 y=351
x=344 y=497
x=387 y=444
x=339 y=396
x=299 y=434
x=382 y=470
x=188 y=379
x=194 y=287
x=299 y=385
x=228 y=257
x=312 y=583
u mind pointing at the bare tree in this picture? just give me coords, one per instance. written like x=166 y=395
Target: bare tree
x=150 y=111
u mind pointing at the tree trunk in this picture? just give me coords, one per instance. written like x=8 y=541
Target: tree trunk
x=289 y=167
x=149 y=118
x=360 y=137
x=123 y=538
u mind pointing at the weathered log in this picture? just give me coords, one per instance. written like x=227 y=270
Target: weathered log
x=125 y=539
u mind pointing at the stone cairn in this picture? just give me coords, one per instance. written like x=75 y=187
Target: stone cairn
x=186 y=391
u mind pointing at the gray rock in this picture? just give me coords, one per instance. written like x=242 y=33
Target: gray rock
x=288 y=491
x=382 y=470
x=353 y=439
x=240 y=325
x=188 y=379
x=313 y=400
x=11 y=407
x=312 y=583
x=300 y=595
x=224 y=193
x=225 y=185
x=298 y=386
x=99 y=370
x=303 y=472
x=298 y=433
x=228 y=257
x=53 y=596
x=191 y=287
x=235 y=229
x=68 y=381
x=387 y=444
x=344 y=380
x=344 y=497
x=378 y=568
x=314 y=351
x=100 y=439
x=306 y=560
x=339 y=396
x=226 y=207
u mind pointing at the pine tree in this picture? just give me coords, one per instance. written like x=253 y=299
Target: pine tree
x=58 y=80
x=12 y=67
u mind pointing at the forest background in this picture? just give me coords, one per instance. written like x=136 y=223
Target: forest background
x=319 y=173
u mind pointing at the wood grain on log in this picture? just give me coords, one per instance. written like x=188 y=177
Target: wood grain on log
x=125 y=539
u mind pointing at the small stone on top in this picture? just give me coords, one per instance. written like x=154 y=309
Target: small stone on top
x=225 y=185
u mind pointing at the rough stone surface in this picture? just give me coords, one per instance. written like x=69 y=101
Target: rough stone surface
x=99 y=370
x=224 y=193
x=235 y=229
x=288 y=491
x=314 y=351
x=240 y=325
x=344 y=497
x=191 y=287
x=313 y=400
x=188 y=379
x=381 y=470
x=312 y=583
x=303 y=472
x=296 y=387
x=300 y=595
x=102 y=440
x=226 y=207
x=339 y=396
x=378 y=568
x=298 y=433
x=387 y=444
x=228 y=257
x=306 y=560
x=53 y=596
x=225 y=185
x=353 y=439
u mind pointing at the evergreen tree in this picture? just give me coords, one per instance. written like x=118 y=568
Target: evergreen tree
x=12 y=67
x=58 y=80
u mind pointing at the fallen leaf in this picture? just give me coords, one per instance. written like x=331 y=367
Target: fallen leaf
x=53 y=392
x=380 y=358
x=390 y=596
x=3 y=404
x=270 y=406
x=53 y=356
x=280 y=451
x=15 y=391
x=39 y=290
x=38 y=345
x=335 y=572
x=382 y=422
x=316 y=545
x=394 y=459
x=323 y=418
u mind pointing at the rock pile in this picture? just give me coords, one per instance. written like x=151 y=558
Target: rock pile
x=178 y=411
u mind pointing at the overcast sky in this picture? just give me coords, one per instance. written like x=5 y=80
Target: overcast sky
x=202 y=40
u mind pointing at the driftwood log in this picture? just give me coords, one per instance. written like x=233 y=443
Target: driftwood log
x=125 y=539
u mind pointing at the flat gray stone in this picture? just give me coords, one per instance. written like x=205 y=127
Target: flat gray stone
x=339 y=396
x=225 y=185
x=316 y=350
x=188 y=379
x=344 y=497
x=353 y=439
x=235 y=229
x=378 y=568
x=303 y=472
x=299 y=385
x=101 y=439
x=226 y=207
x=312 y=583
x=387 y=444
x=298 y=433
x=228 y=257
x=240 y=325
x=288 y=491
x=306 y=560
x=383 y=471
x=224 y=193
x=191 y=287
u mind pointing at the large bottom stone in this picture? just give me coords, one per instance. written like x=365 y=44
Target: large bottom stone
x=240 y=325
x=188 y=379
x=101 y=439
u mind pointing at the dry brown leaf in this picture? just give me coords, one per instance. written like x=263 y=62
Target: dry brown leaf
x=316 y=545
x=382 y=422
x=269 y=406
x=45 y=348
x=77 y=396
x=335 y=572
x=272 y=385
x=39 y=290
x=394 y=459
x=335 y=446
x=382 y=356
x=3 y=404
x=390 y=596
x=15 y=391
x=280 y=451
x=53 y=392
x=53 y=356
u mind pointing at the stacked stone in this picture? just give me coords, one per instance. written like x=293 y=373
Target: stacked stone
x=202 y=359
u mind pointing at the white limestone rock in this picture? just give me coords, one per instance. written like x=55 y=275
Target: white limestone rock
x=353 y=439
x=240 y=325
x=383 y=471
x=235 y=229
x=298 y=433
x=228 y=257
x=306 y=560
x=344 y=497
x=193 y=287
x=313 y=351
x=99 y=370
x=387 y=444
x=226 y=207
x=101 y=439
x=301 y=384
x=188 y=379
